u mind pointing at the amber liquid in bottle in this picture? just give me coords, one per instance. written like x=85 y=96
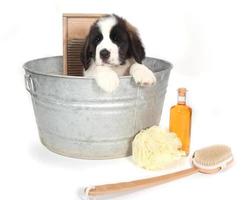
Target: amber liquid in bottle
x=180 y=120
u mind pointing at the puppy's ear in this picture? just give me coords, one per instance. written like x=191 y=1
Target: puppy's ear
x=136 y=48
x=86 y=54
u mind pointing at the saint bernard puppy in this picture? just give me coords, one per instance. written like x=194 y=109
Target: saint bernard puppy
x=113 y=48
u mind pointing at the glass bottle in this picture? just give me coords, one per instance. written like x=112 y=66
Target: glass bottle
x=180 y=120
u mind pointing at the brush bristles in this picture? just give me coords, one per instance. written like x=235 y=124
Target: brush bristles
x=212 y=156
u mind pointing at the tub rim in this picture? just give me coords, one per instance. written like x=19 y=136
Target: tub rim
x=26 y=68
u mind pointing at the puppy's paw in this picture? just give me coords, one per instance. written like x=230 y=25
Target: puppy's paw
x=107 y=79
x=142 y=75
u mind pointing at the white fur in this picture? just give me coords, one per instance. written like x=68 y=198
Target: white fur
x=142 y=75
x=120 y=70
x=105 y=25
x=107 y=76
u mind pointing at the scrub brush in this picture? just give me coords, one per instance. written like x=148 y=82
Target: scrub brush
x=207 y=160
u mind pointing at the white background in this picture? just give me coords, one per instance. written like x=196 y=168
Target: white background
x=203 y=41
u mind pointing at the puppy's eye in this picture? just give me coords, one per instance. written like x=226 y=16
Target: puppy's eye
x=97 y=39
x=115 y=39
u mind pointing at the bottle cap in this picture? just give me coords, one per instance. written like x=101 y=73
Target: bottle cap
x=182 y=91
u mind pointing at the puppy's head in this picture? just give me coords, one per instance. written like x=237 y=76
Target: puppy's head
x=112 y=40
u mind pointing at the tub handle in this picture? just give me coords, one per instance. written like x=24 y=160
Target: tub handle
x=29 y=84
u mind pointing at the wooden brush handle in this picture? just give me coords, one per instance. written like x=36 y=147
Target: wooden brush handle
x=125 y=186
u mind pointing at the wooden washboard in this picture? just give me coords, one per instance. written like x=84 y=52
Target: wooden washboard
x=75 y=29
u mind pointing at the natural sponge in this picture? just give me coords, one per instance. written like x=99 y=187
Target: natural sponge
x=156 y=148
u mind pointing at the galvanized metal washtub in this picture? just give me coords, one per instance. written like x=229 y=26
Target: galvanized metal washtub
x=76 y=118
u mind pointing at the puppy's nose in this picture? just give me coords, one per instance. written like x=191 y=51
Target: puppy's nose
x=104 y=54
